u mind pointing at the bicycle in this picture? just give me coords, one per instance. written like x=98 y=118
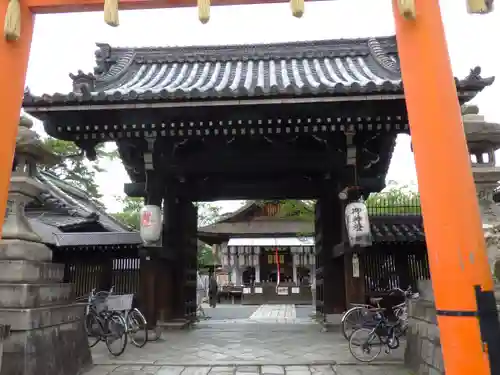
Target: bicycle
x=383 y=333
x=136 y=324
x=354 y=318
x=102 y=324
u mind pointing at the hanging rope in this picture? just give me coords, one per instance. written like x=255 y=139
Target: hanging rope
x=407 y=9
x=297 y=8
x=12 y=25
x=204 y=11
x=111 y=12
x=479 y=6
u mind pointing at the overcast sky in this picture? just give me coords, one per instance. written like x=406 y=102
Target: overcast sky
x=66 y=43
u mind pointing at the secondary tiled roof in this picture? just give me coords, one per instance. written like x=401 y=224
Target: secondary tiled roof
x=394 y=229
x=63 y=208
x=385 y=229
x=327 y=67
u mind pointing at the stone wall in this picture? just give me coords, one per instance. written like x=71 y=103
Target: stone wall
x=423 y=349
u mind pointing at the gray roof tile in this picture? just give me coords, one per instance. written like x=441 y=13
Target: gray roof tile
x=328 y=67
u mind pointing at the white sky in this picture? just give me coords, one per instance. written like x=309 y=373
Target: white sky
x=66 y=43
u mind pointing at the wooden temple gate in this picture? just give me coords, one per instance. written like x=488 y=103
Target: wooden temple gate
x=295 y=120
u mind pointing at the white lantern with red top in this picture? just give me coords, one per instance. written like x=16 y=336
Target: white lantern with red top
x=151 y=224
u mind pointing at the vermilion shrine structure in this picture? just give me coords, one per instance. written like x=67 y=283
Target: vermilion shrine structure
x=297 y=120
x=430 y=95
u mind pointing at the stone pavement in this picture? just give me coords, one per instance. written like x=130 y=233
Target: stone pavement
x=250 y=370
x=269 y=342
x=243 y=344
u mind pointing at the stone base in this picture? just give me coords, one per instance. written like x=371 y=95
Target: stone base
x=34 y=295
x=26 y=271
x=423 y=345
x=174 y=324
x=20 y=249
x=56 y=350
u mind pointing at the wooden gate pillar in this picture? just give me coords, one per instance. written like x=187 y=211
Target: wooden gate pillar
x=150 y=266
x=182 y=242
x=330 y=280
x=354 y=278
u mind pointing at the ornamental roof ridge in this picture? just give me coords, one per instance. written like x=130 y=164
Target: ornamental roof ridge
x=107 y=56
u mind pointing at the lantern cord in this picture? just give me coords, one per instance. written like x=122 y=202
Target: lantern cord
x=111 y=12
x=12 y=25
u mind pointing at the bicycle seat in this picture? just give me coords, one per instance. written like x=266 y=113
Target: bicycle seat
x=376 y=300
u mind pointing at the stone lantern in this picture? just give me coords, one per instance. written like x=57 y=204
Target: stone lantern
x=483 y=139
x=47 y=331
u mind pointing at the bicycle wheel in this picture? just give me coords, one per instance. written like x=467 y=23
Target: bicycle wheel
x=94 y=328
x=137 y=328
x=353 y=320
x=365 y=341
x=116 y=333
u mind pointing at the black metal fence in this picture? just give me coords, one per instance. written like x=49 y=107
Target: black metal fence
x=394 y=203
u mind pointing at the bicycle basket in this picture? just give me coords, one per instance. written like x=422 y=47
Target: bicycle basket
x=120 y=302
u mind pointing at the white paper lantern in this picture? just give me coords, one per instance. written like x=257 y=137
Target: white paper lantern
x=151 y=225
x=358 y=224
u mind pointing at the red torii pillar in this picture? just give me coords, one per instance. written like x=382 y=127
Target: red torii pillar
x=454 y=236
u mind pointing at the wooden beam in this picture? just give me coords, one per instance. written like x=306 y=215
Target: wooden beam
x=65 y=6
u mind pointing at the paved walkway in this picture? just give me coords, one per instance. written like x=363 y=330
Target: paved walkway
x=271 y=338
x=250 y=370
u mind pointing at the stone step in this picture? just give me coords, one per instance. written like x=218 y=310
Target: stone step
x=40 y=317
x=34 y=295
x=18 y=271
x=19 y=249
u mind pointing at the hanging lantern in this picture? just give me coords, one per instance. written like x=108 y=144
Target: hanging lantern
x=407 y=9
x=479 y=6
x=358 y=224
x=150 y=223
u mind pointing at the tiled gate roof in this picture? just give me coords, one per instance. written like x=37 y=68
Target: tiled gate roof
x=327 y=67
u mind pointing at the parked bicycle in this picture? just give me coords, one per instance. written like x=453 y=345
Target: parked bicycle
x=136 y=324
x=103 y=324
x=354 y=318
x=370 y=339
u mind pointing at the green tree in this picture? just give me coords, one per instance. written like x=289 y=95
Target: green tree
x=131 y=212
x=75 y=168
x=293 y=208
x=208 y=213
x=398 y=200
x=205 y=255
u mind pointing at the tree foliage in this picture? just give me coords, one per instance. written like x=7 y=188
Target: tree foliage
x=75 y=168
x=395 y=201
x=293 y=209
x=130 y=214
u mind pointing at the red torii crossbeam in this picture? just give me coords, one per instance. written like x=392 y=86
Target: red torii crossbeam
x=454 y=236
